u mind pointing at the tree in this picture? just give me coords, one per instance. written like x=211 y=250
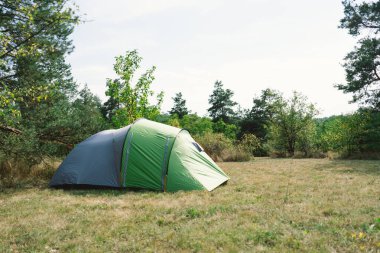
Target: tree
x=257 y=118
x=221 y=103
x=129 y=102
x=36 y=86
x=53 y=129
x=292 y=125
x=357 y=133
x=34 y=38
x=362 y=65
x=229 y=130
x=196 y=125
x=179 y=108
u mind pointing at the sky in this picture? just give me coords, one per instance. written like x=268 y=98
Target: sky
x=249 y=45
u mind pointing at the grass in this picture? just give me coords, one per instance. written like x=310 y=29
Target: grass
x=271 y=205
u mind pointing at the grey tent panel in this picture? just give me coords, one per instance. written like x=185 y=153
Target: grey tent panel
x=95 y=161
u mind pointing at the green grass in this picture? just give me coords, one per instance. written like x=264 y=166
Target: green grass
x=272 y=205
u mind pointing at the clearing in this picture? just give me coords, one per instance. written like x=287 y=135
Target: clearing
x=287 y=205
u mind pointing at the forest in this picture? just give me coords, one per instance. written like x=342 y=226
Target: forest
x=44 y=113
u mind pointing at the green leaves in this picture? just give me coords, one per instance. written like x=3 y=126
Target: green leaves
x=33 y=43
x=9 y=113
x=350 y=134
x=179 y=108
x=360 y=16
x=129 y=102
x=292 y=127
x=221 y=103
x=39 y=111
x=362 y=65
x=363 y=72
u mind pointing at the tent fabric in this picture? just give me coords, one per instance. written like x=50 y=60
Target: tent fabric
x=95 y=161
x=191 y=167
x=146 y=154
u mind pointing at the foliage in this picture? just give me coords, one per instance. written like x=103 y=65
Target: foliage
x=359 y=17
x=292 y=126
x=53 y=128
x=257 y=118
x=350 y=134
x=40 y=113
x=174 y=121
x=16 y=173
x=250 y=143
x=362 y=64
x=242 y=150
x=196 y=125
x=370 y=141
x=229 y=130
x=127 y=102
x=34 y=38
x=221 y=103
x=214 y=144
x=235 y=154
x=179 y=108
x=9 y=112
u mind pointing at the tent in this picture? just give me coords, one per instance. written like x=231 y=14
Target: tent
x=146 y=155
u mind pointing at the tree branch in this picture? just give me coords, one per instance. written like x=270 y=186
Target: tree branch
x=19 y=132
x=10 y=129
x=49 y=24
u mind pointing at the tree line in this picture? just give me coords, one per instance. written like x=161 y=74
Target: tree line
x=44 y=113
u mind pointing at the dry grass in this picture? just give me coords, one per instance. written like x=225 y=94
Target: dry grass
x=272 y=205
x=18 y=174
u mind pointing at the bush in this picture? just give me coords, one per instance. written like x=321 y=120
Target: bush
x=235 y=154
x=214 y=144
x=220 y=148
x=196 y=125
x=14 y=173
x=250 y=143
x=354 y=135
x=229 y=130
x=277 y=154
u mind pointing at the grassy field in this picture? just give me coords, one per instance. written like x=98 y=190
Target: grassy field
x=273 y=205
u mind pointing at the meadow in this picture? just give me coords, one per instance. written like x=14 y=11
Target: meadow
x=269 y=205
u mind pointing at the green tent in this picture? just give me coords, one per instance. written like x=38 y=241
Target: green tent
x=146 y=154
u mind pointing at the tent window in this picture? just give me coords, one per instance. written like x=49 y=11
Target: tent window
x=198 y=147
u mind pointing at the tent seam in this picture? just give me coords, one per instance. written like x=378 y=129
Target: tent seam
x=122 y=179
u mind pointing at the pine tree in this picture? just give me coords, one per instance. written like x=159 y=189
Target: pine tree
x=221 y=103
x=179 y=108
x=362 y=65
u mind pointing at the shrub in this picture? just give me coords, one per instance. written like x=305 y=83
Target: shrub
x=277 y=154
x=250 y=143
x=229 y=130
x=214 y=144
x=220 y=148
x=235 y=154
x=354 y=135
x=173 y=121
x=196 y=125
x=13 y=173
